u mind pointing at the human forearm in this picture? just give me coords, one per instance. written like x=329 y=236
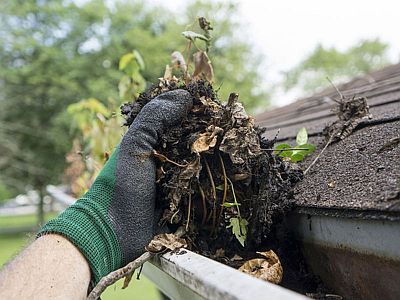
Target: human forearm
x=50 y=268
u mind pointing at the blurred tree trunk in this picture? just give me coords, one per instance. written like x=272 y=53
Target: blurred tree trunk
x=40 y=211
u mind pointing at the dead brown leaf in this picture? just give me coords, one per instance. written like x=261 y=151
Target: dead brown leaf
x=202 y=66
x=164 y=241
x=219 y=253
x=236 y=257
x=183 y=177
x=206 y=140
x=240 y=143
x=178 y=61
x=268 y=268
x=168 y=73
x=210 y=104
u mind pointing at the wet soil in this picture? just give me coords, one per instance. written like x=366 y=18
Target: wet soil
x=214 y=159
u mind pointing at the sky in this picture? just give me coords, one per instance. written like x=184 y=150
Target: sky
x=286 y=31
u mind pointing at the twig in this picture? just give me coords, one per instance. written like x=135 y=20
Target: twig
x=163 y=158
x=337 y=90
x=234 y=199
x=283 y=149
x=118 y=274
x=189 y=209
x=225 y=185
x=319 y=154
x=214 y=193
x=173 y=216
x=188 y=63
x=203 y=201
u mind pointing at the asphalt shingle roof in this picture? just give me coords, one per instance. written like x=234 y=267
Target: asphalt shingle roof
x=362 y=172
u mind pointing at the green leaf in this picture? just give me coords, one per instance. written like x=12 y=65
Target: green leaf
x=279 y=150
x=139 y=59
x=239 y=229
x=302 y=137
x=190 y=35
x=220 y=187
x=296 y=157
x=124 y=87
x=125 y=60
x=230 y=204
x=310 y=148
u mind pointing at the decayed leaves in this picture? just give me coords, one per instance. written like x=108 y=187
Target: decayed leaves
x=165 y=241
x=179 y=188
x=202 y=66
x=178 y=61
x=268 y=268
x=206 y=140
x=224 y=138
x=241 y=142
x=350 y=112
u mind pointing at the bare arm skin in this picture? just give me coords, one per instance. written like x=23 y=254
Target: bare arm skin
x=50 y=268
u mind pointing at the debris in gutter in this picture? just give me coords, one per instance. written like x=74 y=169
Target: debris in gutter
x=350 y=113
x=268 y=268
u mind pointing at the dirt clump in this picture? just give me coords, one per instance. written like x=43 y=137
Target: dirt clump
x=215 y=177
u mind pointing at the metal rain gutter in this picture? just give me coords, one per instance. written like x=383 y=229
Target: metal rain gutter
x=187 y=275
x=356 y=257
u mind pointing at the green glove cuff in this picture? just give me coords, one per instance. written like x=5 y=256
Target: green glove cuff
x=87 y=225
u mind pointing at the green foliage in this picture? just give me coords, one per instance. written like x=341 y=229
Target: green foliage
x=5 y=192
x=236 y=66
x=239 y=229
x=192 y=36
x=238 y=223
x=362 y=58
x=99 y=129
x=132 y=83
x=55 y=53
x=302 y=137
x=298 y=152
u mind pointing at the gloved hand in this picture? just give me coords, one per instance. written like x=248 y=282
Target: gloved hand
x=113 y=222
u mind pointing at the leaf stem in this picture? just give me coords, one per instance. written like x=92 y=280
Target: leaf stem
x=189 y=209
x=214 y=193
x=234 y=198
x=225 y=184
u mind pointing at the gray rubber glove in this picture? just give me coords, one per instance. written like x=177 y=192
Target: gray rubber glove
x=113 y=222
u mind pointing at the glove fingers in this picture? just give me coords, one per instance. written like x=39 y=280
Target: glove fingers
x=162 y=112
x=132 y=208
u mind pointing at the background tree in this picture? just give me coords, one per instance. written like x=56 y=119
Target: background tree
x=55 y=52
x=362 y=58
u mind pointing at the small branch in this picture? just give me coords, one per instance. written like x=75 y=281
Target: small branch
x=225 y=185
x=189 y=209
x=203 y=201
x=337 y=90
x=113 y=277
x=319 y=154
x=214 y=193
x=234 y=199
x=163 y=158
x=283 y=149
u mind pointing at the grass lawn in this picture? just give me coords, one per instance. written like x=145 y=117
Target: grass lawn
x=10 y=245
x=24 y=220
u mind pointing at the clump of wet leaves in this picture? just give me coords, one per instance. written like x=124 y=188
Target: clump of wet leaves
x=214 y=177
x=216 y=174
x=350 y=112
